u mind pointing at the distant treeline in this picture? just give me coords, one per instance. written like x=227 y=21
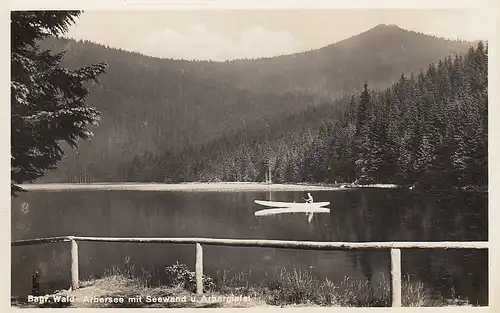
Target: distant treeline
x=429 y=129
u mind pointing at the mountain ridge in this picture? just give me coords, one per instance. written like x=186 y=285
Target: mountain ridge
x=381 y=26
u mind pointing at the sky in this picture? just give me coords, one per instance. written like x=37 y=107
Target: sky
x=234 y=34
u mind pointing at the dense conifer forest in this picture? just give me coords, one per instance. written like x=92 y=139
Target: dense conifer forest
x=338 y=113
x=430 y=128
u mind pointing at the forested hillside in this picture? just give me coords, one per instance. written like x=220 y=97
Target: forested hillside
x=155 y=108
x=430 y=129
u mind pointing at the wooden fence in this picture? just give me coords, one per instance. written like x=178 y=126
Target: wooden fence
x=393 y=247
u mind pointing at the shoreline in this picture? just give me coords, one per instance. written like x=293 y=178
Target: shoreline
x=217 y=187
x=191 y=186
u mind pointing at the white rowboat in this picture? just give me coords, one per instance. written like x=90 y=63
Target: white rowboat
x=291 y=205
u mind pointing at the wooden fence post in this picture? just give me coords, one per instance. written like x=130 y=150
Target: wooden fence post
x=199 y=269
x=74 y=265
x=396 y=277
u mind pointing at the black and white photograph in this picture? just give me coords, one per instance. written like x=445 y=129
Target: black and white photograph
x=249 y=158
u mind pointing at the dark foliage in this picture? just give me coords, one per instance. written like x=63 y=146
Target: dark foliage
x=429 y=130
x=47 y=100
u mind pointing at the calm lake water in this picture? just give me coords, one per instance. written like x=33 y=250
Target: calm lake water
x=356 y=215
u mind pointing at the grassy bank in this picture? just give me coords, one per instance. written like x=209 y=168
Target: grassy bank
x=286 y=288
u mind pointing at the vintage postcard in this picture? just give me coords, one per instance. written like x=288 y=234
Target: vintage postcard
x=183 y=157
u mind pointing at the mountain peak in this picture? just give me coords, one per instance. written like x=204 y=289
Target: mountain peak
x=394 y=26
x=386 y=27
x=383 y=30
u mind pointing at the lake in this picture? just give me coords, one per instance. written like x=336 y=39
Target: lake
x=356 y=215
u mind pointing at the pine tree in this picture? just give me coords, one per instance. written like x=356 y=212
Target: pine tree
x=47 y=100
x=361 y=113
x=368 y=147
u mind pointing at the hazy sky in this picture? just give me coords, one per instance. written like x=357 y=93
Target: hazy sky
x=222 y=35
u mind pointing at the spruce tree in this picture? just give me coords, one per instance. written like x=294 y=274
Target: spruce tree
x=48 y=101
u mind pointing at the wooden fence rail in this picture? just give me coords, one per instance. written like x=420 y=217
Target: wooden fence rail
x=393 y=247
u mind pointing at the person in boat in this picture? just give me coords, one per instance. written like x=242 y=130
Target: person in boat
x=309 y=198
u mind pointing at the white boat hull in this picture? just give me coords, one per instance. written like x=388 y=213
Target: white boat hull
x=275 y=204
